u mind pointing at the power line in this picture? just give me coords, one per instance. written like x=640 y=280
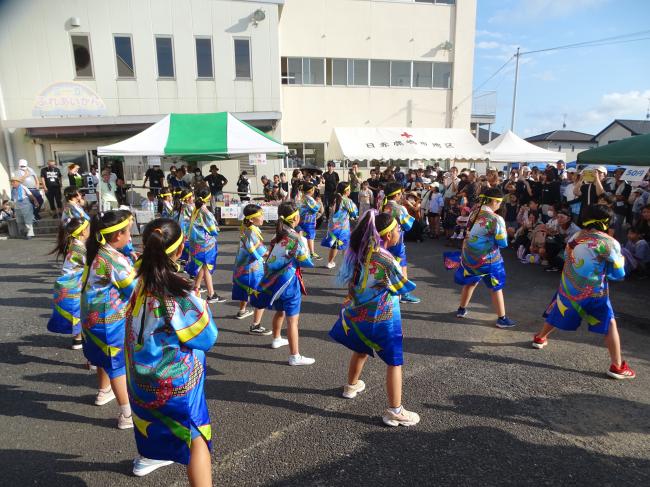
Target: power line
x=484 y=82
x=603 y=41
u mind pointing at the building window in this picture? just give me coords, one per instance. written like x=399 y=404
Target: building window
x=379 y=73
x=313 y=71
x=204 y=65
x=337 y=72
x=165 y=56
x=400 y=73
x=242 y=59
x=82 y=55
x=442 y=75
x=358 y=72
x=124 y=56
x=422 y=74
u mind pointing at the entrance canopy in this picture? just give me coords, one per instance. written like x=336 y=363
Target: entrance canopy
x=633 y=151
x=196 y=136
x=509 y=147
x=382 y=144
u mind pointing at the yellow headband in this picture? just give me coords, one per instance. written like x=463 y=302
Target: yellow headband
x=170 y=250
x=604 y=221
x=206 y=199
x=187 y=196
x=79 y=230
x=388 y=229
x=310 y=190
x=345 y=189
x=164 y=195
x=491 y=198
x=290 y=218
x=397 y=191
x=254 y=215
x=118 y=226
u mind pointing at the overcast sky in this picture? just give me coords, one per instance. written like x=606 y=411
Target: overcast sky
x=592 y=86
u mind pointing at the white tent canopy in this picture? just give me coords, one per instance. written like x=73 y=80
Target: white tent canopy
x=509 y=147
x=382 y=144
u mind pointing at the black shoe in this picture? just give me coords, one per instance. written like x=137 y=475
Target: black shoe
x=259 y=330
x=215 y=298
x=77 y=343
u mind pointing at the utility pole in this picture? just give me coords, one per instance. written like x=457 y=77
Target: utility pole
x=514 y=93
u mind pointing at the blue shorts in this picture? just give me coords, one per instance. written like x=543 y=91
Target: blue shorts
x=493 y=276
x=566 y=314
x=384 y=339
x=289 y=301
x=399 y=252
x=309 y=229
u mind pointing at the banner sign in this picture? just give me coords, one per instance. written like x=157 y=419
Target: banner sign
x=635 y=174
x=257 y=159
x=68 y=99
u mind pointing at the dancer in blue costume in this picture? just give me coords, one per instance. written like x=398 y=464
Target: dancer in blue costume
x=342 y=211
x=167 y=203
x=202 y=240
x=249 y=267
x=74 y=205
x=309 y=209
x=184 y=210
x=71 y=242
x=281 y=287
x=480 y=258
x=168 y=330
x=107 y=286
x=592 y=258
x=392 y=206
x=370 y=321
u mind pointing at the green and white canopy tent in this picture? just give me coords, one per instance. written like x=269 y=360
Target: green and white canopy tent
x=197 y=137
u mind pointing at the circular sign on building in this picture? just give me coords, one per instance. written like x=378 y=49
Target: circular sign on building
x=68 y=99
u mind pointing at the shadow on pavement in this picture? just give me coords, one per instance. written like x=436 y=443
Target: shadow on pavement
x=482 y=456
x=575 y=414
x=32 y=467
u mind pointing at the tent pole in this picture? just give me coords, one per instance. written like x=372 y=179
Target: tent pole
x=97 y=192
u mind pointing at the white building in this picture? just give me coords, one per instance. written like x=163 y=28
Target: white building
x=78 y=74
x=569 y=142
x=621 y=129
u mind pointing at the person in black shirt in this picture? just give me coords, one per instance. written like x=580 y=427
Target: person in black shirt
x=373 y=183
x=216 y=182
x=523 y=188
x=156 y=177
x=549 y=194
x=331 y=179
x=51 y=178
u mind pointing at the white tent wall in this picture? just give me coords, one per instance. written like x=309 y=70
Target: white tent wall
x=508 y=147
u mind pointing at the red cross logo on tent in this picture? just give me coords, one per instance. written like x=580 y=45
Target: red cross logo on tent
x=406 y=134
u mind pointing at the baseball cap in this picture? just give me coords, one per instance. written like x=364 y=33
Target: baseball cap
x=23 y=163
x=602 y=169
x=572 y=169
x=14 y=177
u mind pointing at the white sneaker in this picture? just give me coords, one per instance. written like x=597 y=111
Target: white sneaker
x=104 y=397
x=330 y=265
x=279 y=342
x=143 y=466
x=124 y=422
x=404 y=418
x=351 y=391
x=300 y=360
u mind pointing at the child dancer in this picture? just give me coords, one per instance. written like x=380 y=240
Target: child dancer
x=202 y=236
x=106 y=289
x=392 y=206
x=281 y=287
x=71 y=242
x=338 y=227
x=370 y=320
x=592 y=258
x=167 y=203
x=249 y=267
x=309 y=209
x=480 y=258
x=366 y=198
x=184 y=210
x=168 y=330
x=74 y=205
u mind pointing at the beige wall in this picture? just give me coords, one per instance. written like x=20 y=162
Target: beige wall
x=614 y=133
x=35 y=51
x=366 y=29
x=571 y=155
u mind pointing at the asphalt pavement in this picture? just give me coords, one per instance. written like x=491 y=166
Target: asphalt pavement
x=494 y=411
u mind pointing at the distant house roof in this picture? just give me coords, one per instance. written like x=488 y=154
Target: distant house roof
x=561 y=136
x=484 y=136
x=636 y=127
